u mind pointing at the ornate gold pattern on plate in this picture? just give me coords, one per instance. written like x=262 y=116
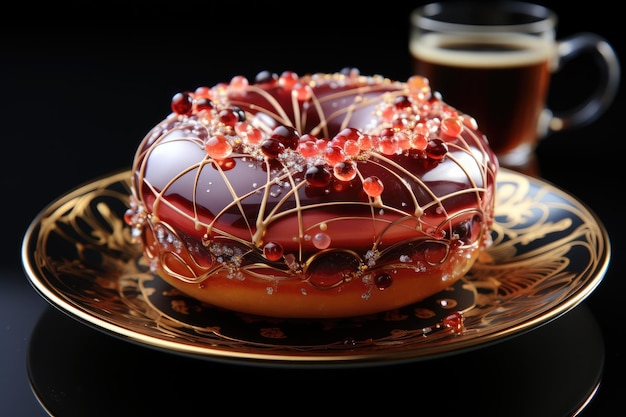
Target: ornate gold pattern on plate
x=549 y=253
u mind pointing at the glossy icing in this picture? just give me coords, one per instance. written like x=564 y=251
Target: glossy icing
x=321 y=181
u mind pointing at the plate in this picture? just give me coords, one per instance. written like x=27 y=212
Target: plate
x=550 y=252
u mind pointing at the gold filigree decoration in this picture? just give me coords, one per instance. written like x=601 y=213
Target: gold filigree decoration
x=549 y=253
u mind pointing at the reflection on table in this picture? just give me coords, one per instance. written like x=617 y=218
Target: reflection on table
x=551 y=371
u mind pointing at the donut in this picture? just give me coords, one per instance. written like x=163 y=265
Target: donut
x=316 y=196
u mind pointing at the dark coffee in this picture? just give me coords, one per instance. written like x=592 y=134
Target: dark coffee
x=502 y=83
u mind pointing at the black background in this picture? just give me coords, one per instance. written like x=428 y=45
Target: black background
x=79 y=94
x=79 y=91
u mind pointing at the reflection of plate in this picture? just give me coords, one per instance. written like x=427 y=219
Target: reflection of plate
x=549 y=253
x=554 y=370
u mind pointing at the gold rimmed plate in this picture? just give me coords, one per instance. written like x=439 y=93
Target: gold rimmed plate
x=549 y=253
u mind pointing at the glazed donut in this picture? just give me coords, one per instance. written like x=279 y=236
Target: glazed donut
x=316 y=196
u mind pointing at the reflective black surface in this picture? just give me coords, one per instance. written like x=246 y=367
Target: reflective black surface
x=541 y=373
x=79 y=95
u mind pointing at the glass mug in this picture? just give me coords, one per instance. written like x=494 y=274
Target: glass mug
x=494 y=61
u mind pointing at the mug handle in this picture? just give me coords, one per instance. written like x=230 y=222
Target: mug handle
x=604 y=94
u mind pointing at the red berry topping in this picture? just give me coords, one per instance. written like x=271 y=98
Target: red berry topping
x=383 y=281
x=452 y=126
x=286 y=135
x=273 y=251
x=218 y=147
x=266 y=77
x=334 y=155
x=321 y=240
x=345 y=170
x=203 y=103
x=308 y=149
x=288 y=79
x=373 y=186
x=239 y=83
x=454 y=321
x=402 y=102
x=318 y=176
x=436 y=149
x=228 y=117
x=182 y=103
x=350 y=133
x=272 y=147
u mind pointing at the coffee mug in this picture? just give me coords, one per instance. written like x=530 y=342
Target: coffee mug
x=494 y=61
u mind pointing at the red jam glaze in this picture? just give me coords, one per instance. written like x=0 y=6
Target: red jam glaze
x=324 y=178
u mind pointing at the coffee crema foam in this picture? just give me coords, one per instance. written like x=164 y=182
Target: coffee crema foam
x=483 y=51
